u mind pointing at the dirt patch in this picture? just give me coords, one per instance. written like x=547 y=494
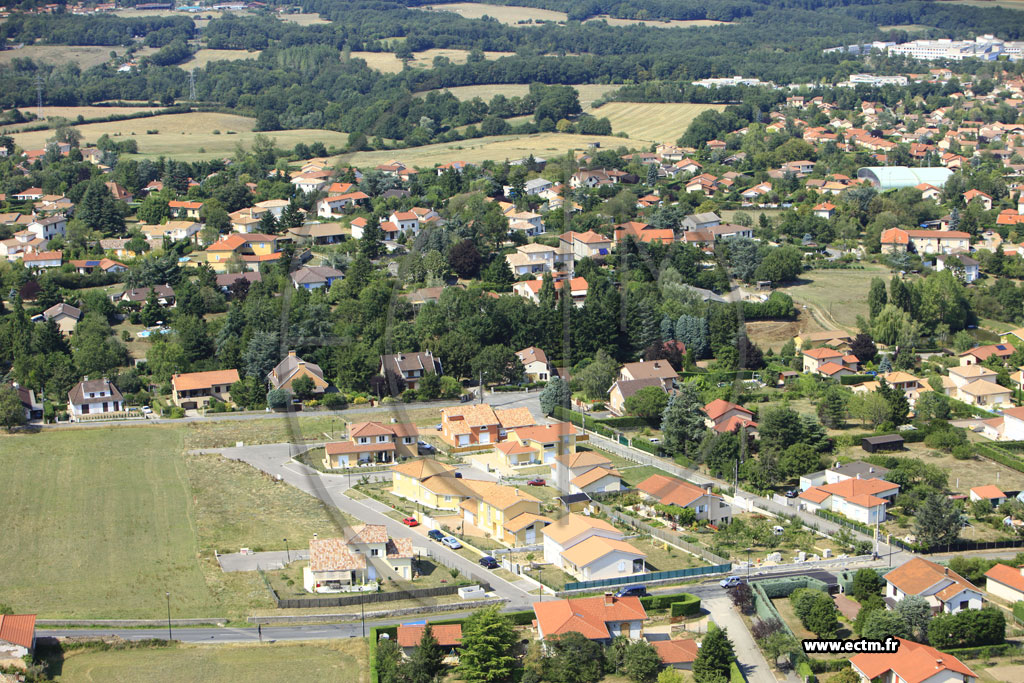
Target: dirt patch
x=1006 y=672
x=849 y=608
x=773 y=334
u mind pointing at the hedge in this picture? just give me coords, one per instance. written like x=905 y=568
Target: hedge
x=847 y=380
x=688 y=606
x=820 y=666
x=982 y=651
x=625 y=422
x=654 y=602
x=582 y=420
x=781 y=588
x=375 y=634
x=993 y=453
x=644 y=445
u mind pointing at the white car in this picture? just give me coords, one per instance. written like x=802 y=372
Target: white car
x=730 y=582
x=146 y=410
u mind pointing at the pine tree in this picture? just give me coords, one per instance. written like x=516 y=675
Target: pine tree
x=668 y=329
x=292 y=216
x=371 y=245
x=682 y=421
x=268 y=223
x=832 y=407
x=488 y=647
x=877 y=297
x=899 y=294
x=937 y=522
x=428 y=658
x=885 y=366
x=714 y=657
x=652 y=175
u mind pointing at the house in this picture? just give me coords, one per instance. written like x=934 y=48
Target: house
x=17 y=636
x=980 y=197
x=173 y=230
x=831 y=338
x=585 y=472
x=677 y=654
x=49 y=227
x=862 y=500
x=27 y=397
x=104 y=265
x=988 y=492
x=335 y=205
x=119 y=192
x=410 y=367
x=600 y=618
x=535 y=364
x=944 y=589
x=549 y=441
x=225 y=281
x=911 y=662
x=671 y=491
x=723 y=416
x=976 y=385
x=621 y=390
x=1005 y=582
x=587 y=244
x=65 y=316
x=43 y=259
x=293 y=367
x=372 y=443
x=590 y=549
x=448 y=636
x=185 y=209
x=315 y=277
x=816 y=359
x=366 y=554
x=472 y=425
x=825 y=210
x=94 y=397
x=164 y=295
x=319 y=233
x=979 y=354
x=195 y=390
x=429 y=483
x=961 y=264
x=650 y=369
x=537 y=259
x=530 y=289
x=896 y=240
x=504 y=513
x=426 y=295
x=857 y=469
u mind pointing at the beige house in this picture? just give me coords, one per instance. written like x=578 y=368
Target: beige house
x=591 y=549
x=816 y=360
x=535 y=364
x=372 y=443
x=65 y=316
x=976 y=385
x=1005 y=582
x=194 y=390
x=366 y=554
x=585 y=472
x=660 y=488
x=623 y=389
x=945 y=590
x=292 y=368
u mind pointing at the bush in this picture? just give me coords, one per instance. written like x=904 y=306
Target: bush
x=278 y=399
x=689 y=606
x=656 y=602
x=335 y=401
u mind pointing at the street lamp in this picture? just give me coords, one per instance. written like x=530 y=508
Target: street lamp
x=287 y=552
x=748 y=565
x=170 y=636
x=362 y=611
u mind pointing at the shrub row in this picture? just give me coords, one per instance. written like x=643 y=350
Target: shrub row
x=782 y=587
x=656 y=602
x=689 y=605
x=625 y=422
x=847 y=380
x=1001 y=457
x=644 y=445
x=982 y=651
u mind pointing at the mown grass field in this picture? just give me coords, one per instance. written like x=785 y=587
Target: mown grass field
x=499 y=147
x=188 y=136
x=667 y=23
x=588 y=93
x=650 y=121
x=985 y=4
x=506 y=14
x=101 y=522
x=836 y=297
x=85 y=56
x=303 y=19
x=321 y=661
x=389 y=63
x=203 y=57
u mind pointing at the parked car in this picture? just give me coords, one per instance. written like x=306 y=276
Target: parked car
x=792 y=493
x=730 y=582
x=411 y=521
x=435 y=535
x=458 y=475
x=654 y=439
x=536 y=482
x=488 y=562
x=451 y=542
x=438 y=426
x=632 y=591
x=146 y=410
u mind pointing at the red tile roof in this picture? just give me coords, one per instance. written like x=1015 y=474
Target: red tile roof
x=586 y=615
x=448 y=635
x=913 y=663
x=1008 y=576
x=720 y=407
x=19 y=629
x=676 y=651
x=670 y=491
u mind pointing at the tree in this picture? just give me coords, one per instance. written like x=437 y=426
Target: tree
x=261 y=355
x=278 y=399
x=671 y=675
x=916 y=613
x=304 y=387
x=968 y=628
x=877 y=297
x=371 y=244
x=798 y=459
x=498 y=364
x=682 y=421
x=465 y=259
x=823 y=618
x=573 y=658
x=648 y=403
x=427 y=659
x=12 y=413
x=778 y=644
x=291 y=216
x=388 y=659
x=779 y=427
x=598 y=375
x=743 y=597
x=866 y=582
x=488 y=647
x=714 y=657
x=883 y=623
x=937 y=522
x=780 y=265
x=863 y=346
x=832 y=407
x=640 y=662
x=555 y=393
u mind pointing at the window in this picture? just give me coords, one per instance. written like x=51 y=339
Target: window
x=364 y=439
x=483 y=428
x=447 y=499
x=622 y=566
x=964 y=604
x=374 y=552
x=407 y=439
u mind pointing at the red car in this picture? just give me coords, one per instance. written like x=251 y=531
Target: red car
x=410 y=521
x=536 y=482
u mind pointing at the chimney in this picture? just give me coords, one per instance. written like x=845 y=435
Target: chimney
x=939 y=664
x=609 y=599
x=946 y=572
x=291 y=354
x=858 y=475
x=871 y=470
x=315 y=536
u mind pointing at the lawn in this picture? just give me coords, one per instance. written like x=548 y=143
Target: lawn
x=836 y=297
x=72 y=113
x=801 y=633
x=321 y=661
x=104 y=521
x=203 y=57
x=988 y=4
x=650 y=121
x=188 y=136
x=499 y=147
x=588 y=93
x=506 y=14
x=303 y=19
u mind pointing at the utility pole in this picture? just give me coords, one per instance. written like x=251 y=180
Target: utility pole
x=481 y=395
x=192 y=85
x=170 y=637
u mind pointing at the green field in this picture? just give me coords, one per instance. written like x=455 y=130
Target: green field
x=985 y=4
x=836 y=297
x=203 y=57
x=101 y=522
x=321 y=661
x=189 y=136
x=389 y=63
x=85 y=56
x=651 y=122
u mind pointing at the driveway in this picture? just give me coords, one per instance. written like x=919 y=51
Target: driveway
x=755 y=667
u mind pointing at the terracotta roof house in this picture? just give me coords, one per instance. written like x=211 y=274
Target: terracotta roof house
x=1005 y=582
x=365 y=554
x=667 y=490
x=988 y=492
x=448 y=636
x=195 y=390
x=585 y=472
x=293 y=367
x=598 y=618
x=724 y=416
x=410 y=367
x=372 y=442
x=430 y=483
x=17 y=635
x=912 y=663
x=471 y=425
x=944 y=589
x=862 y=500
x=678 y=654
x=94 y=397
x=980 y=354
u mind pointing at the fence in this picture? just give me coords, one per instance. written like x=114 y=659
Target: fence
x=661 y=534
x=650 y=576
x=365 y=598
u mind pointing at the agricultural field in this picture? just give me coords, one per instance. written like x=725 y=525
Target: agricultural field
x=303 y=19
x=498 y=147
x=987 y=4
x=131 y=516
x=909 y=28
x=836 y=297
x=189 y=136
x=588 y=93
x=203 y=57
x=661 y=23
x=85 y=56
x=506 y=14
x=389 y=63
x=651 y=122
x=200 y=19
x=773 y=334
x=320 y=661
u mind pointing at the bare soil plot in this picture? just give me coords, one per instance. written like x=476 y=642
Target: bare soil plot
x=652 y=121
x=506 y=14
x=773 y=334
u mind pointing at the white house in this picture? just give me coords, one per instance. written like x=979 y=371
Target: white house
x=958 y=263
x=944 y=589
x=590 y=549
x=49 y=227
x=585 y=472
x=535 y=364
x=988 y=492
x=1005 y=582
x=18 y=636
x=94 y=397
x=862 y=500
